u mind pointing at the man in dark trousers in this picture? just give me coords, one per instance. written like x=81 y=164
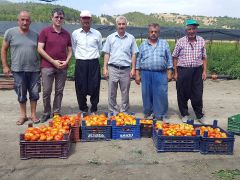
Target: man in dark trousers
x=190 y=69
x=87 y=44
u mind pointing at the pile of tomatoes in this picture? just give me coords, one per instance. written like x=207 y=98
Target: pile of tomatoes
x=176 y=129
x=212 y=132
x=59 y=126
x=123 y=119
x=96 y=120
x=45 y=133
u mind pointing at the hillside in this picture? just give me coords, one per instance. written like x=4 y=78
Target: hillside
x=41 y=12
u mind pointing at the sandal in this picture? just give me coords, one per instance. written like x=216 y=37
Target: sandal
x=21 y=121
x=35 y=120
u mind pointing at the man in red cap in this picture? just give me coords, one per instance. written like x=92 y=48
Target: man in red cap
x=190 y=69
x=87 y=44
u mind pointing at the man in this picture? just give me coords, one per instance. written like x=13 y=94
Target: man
x=190 y=69
x=54 y=46
x=87 y=44
x=22 y=43
x=154 y=62
x=119 y=64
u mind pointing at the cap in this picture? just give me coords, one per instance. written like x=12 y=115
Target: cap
x=85 y=13
x=192 y=22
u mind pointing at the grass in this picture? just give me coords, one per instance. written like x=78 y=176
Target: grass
x=228 y=174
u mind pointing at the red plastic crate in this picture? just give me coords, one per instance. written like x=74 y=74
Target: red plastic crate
x=45 y=149
x=75 y=136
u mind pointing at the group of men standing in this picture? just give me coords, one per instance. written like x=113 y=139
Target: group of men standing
x=151 y=65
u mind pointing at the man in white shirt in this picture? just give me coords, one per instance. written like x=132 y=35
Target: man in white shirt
x=87 y=44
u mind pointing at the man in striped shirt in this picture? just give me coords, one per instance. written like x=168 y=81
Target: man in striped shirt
x=154 y=62
x=190 y=69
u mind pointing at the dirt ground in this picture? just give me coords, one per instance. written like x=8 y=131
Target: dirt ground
x=130 y=159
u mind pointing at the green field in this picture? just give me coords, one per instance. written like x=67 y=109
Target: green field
x=223 y=58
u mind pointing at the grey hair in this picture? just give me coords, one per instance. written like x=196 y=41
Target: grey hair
x=24 y=12
x=155 y=25
x=121 y=18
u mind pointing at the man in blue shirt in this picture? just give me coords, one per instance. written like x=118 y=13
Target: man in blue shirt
x=154 y=62
x=119 y=64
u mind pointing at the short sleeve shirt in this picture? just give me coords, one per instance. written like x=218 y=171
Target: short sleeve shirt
x=55 y=44
x=120 y=49
x=23 y=49
x=190 y=54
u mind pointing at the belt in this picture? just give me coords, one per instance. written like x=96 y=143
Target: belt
x=119 y=67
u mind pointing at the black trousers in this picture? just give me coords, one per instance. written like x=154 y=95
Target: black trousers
x=190 y=86
x=87 y=82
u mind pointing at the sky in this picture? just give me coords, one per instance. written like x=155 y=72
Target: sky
x=212 y=8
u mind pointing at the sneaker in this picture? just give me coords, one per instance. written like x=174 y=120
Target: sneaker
x=202 y=120
x=93 y=113
x=184 y=119
x=44 y=118
x=148 y=116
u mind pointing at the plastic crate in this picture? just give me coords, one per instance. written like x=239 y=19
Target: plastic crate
x=217 y=145
x=75 y=136
x=45 y=149
x=175 y=143
x=95 y=133
x=146 y=130
x=234 y=124
x=126 y=132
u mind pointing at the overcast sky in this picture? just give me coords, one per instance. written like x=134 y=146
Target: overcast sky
x=217 y=8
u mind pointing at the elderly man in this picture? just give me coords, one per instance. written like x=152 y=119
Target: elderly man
x=87 y=44
x=154 y=61
x=55 y=48
x=25 y=64
x=119 y=64
x=190 y=69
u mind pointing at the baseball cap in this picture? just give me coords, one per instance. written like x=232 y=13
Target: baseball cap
x=85 y=13
x=192 y=22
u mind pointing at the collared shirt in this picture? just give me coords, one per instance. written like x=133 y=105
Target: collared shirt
x=86 y=45
x=120 y=49
x=190 y=54
x=154 y=58
x=56 y=44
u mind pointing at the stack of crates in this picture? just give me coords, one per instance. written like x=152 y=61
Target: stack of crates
x=234 y=124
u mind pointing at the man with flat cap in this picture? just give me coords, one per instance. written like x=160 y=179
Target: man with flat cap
x=190 y=70
x=87 y=44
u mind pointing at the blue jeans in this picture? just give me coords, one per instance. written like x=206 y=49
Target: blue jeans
x=154 y=93
x=27 y=81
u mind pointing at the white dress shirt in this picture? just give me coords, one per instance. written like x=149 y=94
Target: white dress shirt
x=86 y=45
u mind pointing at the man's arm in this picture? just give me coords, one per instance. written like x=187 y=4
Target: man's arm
x=43 y=53
x=4 y=50
x=175 y=68
x=63 y=64
x=105 y=65
x=133 y=70
x=204 y=74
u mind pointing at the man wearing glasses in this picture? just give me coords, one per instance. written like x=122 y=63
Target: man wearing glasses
x=54 y=46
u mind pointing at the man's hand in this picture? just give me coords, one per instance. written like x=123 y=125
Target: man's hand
x=62 y=64
x=105 y=72
x=169 y=75
x=132 y=73
x=137 y=77
x=204 y=75
x=6 y=71
x=57 y=64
